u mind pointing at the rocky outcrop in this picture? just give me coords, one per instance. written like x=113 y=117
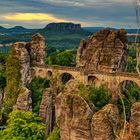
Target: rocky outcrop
x=47 y=111
x=30 y=53
x=37 y=51
x=104 y=51
x=24 y=59
x=105 y=122
x=73 y=114
x=27 y=53
x=46 y=99
x=135 y=120
x=24 y=100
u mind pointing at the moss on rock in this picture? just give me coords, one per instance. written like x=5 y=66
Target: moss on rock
x=13 y=77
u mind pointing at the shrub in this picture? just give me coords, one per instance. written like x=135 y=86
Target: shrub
x=127 y=105
x=23 y=125
x=99 y=96
x=38 y=85
x=65 y=58
x=55 y=135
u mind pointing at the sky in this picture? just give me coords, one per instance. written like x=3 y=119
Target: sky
x=89 y=13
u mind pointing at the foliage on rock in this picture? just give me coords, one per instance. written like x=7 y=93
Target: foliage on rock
x=99 y=96
x=55 y=135
x=13 y=81
x=38 y=85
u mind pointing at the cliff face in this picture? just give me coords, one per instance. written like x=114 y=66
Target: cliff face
x=104 y=51
x=73 y=114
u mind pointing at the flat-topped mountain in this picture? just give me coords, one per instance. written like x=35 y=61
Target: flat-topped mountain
x=63 y=26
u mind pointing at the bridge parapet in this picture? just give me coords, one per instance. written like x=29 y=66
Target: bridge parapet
x=79 y=74
x=56 y=67
x=124 y=74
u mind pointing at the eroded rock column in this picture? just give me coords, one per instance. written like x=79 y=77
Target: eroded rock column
x=73 y=114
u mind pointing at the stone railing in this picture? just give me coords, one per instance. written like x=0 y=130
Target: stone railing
x=87 y=72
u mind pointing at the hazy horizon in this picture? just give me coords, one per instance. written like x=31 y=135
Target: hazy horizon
x=67 y=22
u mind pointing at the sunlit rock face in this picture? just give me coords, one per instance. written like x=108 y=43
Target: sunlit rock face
x=37 y=50
x=30 y=53
x=73 y=114
x=135 y=120
x=24 y=59
x=105 y=122
x=104 y=51
x=24 y=100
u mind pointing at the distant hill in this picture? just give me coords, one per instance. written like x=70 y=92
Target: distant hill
x=18 y=28
x=2 y=29
x=96 y=29
x=15 y=30
x=58 y=35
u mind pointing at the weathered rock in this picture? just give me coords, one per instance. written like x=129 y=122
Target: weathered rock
x=24 y=58
x=47 y=111
x=2 y=96
x=105 y=122
x=37 y=51
x=135 y=120
x=46 y=98
x=104 y=51
x=30 y=53
x=24 y=100
x=73 y=114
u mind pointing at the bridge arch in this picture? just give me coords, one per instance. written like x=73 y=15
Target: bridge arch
x=129 y=87
x=132 y=80
x=91 y=79
x=49 y=74
x=65 y=77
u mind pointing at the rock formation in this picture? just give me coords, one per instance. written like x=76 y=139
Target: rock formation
x=73 y=114
x=30 y=53
x=26 y=54
x=47 y=111
x=45 y=103
x=37 y=52
x=104 y=51
x=105 y=122
x=24 y=100
x=24 y=59
x=135 y=120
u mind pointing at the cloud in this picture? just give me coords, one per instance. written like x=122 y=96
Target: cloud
x=32 y=17
x=88 y=12
x=81 y=3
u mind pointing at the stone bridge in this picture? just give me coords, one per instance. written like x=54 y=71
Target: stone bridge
x=64 y=74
